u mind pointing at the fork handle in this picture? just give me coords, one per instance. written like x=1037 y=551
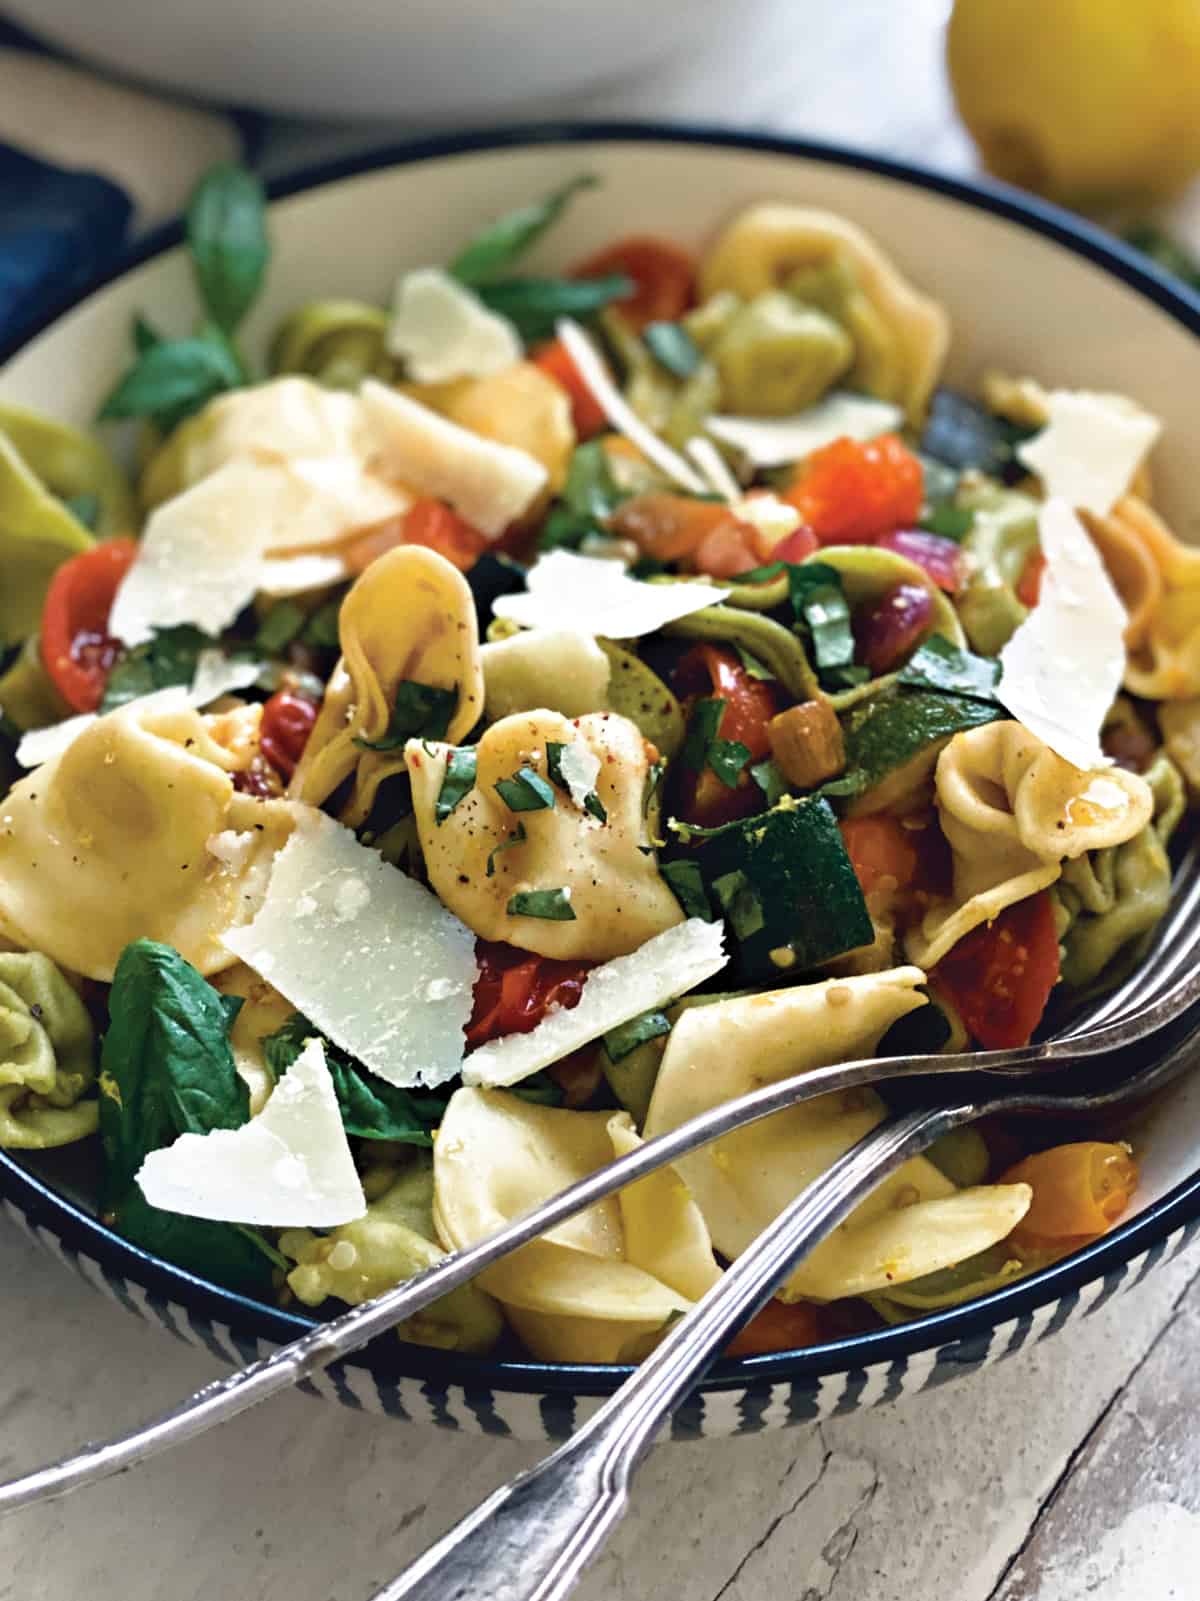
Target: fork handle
x=531 y=1539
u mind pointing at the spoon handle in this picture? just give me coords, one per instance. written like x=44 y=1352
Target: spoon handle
x=531 y=1539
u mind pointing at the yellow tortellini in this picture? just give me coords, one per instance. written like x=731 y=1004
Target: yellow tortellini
x=394 y=1240
x=37 y=533
x=555 y=668
x=1180 y=724
x=263 y=1011
x=475 y=865
x=915 y=1222
x=900 y=336
x=136 y=830
x=409 y=618
x=47 y=1056
x=598 y=1288
x=1012 y=811
x=1158 y=579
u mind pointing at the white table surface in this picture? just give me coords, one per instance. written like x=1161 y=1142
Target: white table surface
x=1068 y=1471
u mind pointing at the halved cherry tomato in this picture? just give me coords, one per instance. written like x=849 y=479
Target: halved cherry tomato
x=711 y=672
x=851 y=491
x=663 y=275
x=668 y=527
x=1029 y=585
x=999 y=976
x=77 y=649
x=798 y=545
x=555 y=361
x=778 y=1328
x=287 y=721
x=515 y=989
x=427 y=522
x=882 y=852
x=1079 y=1191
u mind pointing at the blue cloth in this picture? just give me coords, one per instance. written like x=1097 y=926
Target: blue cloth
x=58 y=231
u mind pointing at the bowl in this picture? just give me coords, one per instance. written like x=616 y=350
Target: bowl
x=1028 y=288
x=417 y=61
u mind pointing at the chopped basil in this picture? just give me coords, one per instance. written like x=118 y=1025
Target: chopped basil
x=702 y=730
x=763 y=575
x=673 y=348
x=164 y=662
x=820 y=604
x=500 y=245
x=282 y=624
x=321 y=630
x=770 y=780
x=540 y=1089
x=619 y=1042
x=517 y=837
x=460 y=777
x=552 y=905
x=939 y=665
x=421 y=711
x=589 y=497
x=740 y=903
x=727 y=757
x=534 y=305
x=144 y=334
x=592 y=804
x=654 y=780
x=525 y=791
x=686 y=883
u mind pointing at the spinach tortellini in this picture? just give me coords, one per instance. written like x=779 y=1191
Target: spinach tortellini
x=1002 y=537
x=556 y=668
x=484 y=853
x=47 y=1056
x=1012 y=811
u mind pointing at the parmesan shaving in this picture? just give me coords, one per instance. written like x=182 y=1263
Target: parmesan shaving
x=1090 y=448
x=597 y=597
x=776 y=441
x=713 y=465
x=580 y=768
x=441 y=331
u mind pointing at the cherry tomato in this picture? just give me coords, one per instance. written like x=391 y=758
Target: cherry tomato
x=711 y=672
x=1079 y=1191
x=287 y=721
x=668 y=527
x=663 y=276
x=77 y=648
x=999 y=976
x=882 y=852
x=515 y=989
x=778 y=1328
x=555 y=361
x=853 y=491
x=427 y=522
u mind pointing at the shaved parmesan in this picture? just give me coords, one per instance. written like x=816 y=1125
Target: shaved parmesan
x=441 y=331
x=1062 y=668
x=597 y=597
x=588 y=364
x=273 y=422
x=666 y=966
x=375 y=960
x=580 y=768
x=773 y=518
x=775 y=441
x=216 y=675
x=489 y=484
x=289 y=1167
x=1090 y=448
x=713 y=465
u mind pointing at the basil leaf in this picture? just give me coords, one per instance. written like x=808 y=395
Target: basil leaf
x=501 y=244
x=820 y=603
x=726 y=758
x=619 y=1042
x=552 y=905
x=173 y=379
x=371 y=1109
x=321 y=630
x=951 y=522
x=459 y=779
x=939 y=665
x=770 y=780
x=673 y=348
x=702 y=730
x=227 y=1253
x=763 y=575
x=654 y=780
x=421 y=711
x=592 y=804
x=227 y=237
x=535 y=305
x=686 y=883
x=525 y=791
x=282 y=624
x=739 y=901
x=164 y=662
x=589 y=497
x=752 y=664
x=517 y=837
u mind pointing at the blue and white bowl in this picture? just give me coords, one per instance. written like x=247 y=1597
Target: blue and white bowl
x=1029 y=289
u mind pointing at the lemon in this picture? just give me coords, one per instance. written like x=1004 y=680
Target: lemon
x=1092 y=102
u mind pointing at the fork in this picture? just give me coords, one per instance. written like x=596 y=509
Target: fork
x=1149 y=1002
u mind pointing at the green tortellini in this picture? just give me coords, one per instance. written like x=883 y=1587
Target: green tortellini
x=777 y=356
x=28 y=697
x=393 y=1241
x=637 y=692
x=47 y=1056
x=338 y=342
x=776 y=647
x=1003 y=535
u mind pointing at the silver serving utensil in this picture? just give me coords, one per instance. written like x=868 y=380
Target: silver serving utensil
x=1149 y=1005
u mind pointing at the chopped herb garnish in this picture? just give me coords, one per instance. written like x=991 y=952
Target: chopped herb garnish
x=517 y=837
x=174 y=379
x=939 y=665
x=525 y=791
x=282 y=624
x=820 y=604
x=552 y=905
x=686 y=883
x=321 y=630
x=592 y=804
x=164 y=662
x=619 y=1042
x=702 y=730
x=740 y=903
x=751 y=663
x=654 y=780
x=727 y=757
x=502 y=243
x=673 y=348
x=770 y=780
x=540 y=1089
x=460 y=777
x=421 y=711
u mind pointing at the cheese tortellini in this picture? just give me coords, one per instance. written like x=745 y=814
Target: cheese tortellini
x=555 y=668
x=409 y=618
x=1013 y=811
x=483 y=853
x=148 y=784
x=601 y=1286
x=900 y=336
x=915 y=1223
x=1158 y=579
x=47 y=1056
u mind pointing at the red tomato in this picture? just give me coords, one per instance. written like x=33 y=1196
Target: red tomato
x=711 y=672
x=881 y=848
x=1000 y=975
x=515 y=989
x=798 y=545
x=427 y=522
x=662 y=273
x=851 y=491
x=555 y=361
x=287 y=721
x=730 y=549
x=1029 y=585
x=77 y=649
x=778 y=1328
x=669 y=527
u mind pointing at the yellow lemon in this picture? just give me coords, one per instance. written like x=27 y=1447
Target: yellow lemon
x=1093 y=102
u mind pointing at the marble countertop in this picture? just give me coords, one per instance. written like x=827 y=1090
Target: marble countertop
x=1070 y=1470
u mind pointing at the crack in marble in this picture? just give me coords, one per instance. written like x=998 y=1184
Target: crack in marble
x=764 y=1538
x=838 y=1548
